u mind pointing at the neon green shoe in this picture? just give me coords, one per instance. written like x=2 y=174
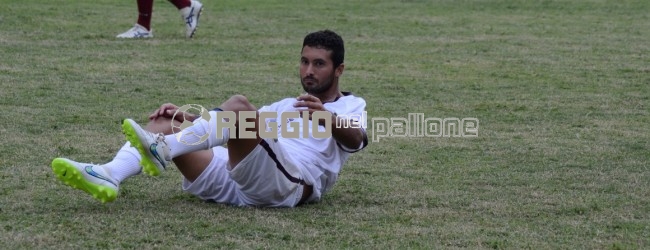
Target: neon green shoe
x=90 y=178
x=152 y=147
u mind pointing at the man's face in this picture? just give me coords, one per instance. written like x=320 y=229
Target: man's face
x=317 y=73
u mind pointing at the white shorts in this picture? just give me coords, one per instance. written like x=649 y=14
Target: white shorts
x=264 y=178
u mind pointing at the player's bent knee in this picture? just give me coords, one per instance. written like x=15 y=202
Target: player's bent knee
x=238 y=103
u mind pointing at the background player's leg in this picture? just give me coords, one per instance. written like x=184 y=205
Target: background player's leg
x=145 y=9
x=181 y=3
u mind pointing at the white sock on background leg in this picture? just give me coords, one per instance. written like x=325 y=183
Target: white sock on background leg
x=125 y=164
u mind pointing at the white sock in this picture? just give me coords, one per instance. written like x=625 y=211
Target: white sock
x=188 y=142
x=125 y=164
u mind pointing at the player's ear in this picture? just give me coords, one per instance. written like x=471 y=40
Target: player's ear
x=339 y=70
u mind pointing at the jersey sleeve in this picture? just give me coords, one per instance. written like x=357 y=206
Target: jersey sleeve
x=364 y=143
x=264 y=109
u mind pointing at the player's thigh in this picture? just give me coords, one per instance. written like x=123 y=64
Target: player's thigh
x=240 y=145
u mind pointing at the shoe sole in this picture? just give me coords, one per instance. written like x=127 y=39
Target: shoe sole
x=139 y=37
x=148 y=166
x=198 y=15
x=71 y=176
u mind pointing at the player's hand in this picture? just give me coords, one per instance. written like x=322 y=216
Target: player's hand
x=168 y=110
x=309 y=103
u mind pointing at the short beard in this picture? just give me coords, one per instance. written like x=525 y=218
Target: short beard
x=320 y=88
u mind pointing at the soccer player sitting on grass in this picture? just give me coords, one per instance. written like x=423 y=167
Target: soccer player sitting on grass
x=251 y=171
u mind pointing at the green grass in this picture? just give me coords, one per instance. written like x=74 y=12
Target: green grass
x=561 y=89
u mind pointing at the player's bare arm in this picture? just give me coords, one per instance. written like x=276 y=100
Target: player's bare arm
x=345 y=135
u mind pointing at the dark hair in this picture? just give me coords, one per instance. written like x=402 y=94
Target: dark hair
x=329 y=40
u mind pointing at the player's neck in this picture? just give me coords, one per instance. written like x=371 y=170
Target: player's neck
x=330 y=95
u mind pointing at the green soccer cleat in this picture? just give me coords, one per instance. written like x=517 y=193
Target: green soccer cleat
x=152 y=147
x=90 y=178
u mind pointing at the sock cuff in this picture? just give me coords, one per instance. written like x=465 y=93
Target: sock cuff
x=128 y=149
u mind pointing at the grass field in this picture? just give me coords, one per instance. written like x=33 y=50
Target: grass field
x=561 y=89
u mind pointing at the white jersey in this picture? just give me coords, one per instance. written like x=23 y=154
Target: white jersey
x=320 y=159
